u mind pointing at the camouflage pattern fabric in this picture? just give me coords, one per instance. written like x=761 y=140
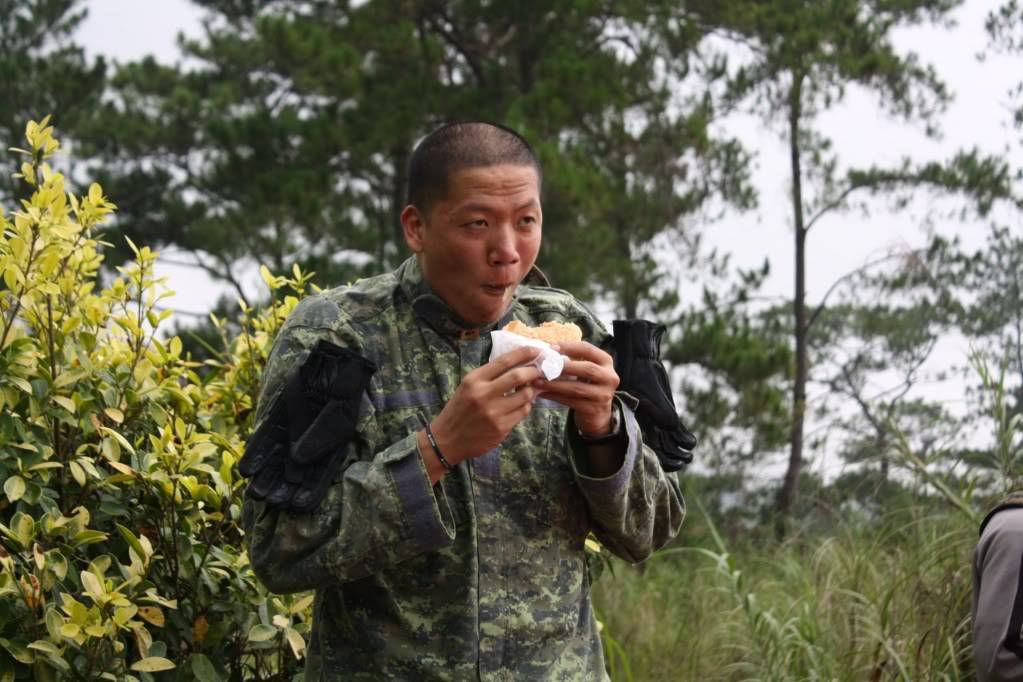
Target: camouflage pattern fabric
x=482 y=576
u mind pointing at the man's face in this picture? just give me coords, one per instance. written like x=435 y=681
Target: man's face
x=480 y=241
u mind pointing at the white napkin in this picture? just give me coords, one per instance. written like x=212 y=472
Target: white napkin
x=549 y=361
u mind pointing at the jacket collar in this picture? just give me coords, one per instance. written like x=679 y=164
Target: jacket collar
x=432 y=309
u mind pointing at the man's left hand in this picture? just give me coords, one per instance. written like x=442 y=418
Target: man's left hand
x=590 y=397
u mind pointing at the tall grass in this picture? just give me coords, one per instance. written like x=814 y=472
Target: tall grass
x=888 y=600
x=852 y=597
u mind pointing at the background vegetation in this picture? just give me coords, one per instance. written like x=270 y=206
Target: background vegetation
x=280 y=140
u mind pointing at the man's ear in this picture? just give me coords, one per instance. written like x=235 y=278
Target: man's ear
x=413 y=225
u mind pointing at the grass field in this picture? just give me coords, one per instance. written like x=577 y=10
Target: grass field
x=887 y=599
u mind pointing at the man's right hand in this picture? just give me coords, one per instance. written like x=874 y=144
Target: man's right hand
x=486 y=406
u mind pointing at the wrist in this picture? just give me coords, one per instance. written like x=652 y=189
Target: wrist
x=612 y=428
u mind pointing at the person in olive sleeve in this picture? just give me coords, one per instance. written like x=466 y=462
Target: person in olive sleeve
x=436 y=502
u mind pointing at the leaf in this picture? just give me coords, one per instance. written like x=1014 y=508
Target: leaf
x=65 y=402
x=115 y=414
x=19 y=651
x=296 y=642
x=54 y=622
x=267 y=276
x=45 y=646
x=199 y=629
x=21 y=383
x=133 y=540
x=14 y=488
x=203 y=669
x=153 y=615
x=152 y=596
x=123 y=468
x=152 y=664
x=77 y=473
x=123 y=614
x=92 y=584
x=88 y=537
x=109 y=448
x=262 y=633
x=46 y=465
x=302 y=604
x=24 y=528
x=122 y=441
x=68 y=378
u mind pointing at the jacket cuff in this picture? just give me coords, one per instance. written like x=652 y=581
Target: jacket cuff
x=608 y=486
x=424 y=507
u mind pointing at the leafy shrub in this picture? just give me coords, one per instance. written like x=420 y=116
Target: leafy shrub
x=120 y=548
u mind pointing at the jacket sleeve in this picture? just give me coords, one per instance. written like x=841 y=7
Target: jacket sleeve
x=998 y=598
x=639 y=508
x=381 y=509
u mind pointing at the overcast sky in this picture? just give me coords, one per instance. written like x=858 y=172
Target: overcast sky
x=129 y=29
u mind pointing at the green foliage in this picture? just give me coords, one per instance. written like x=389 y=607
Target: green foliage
x=1003 y=28
x=738 y=362
x=42 y=70
x=287 y=136
x=803 y=57
x=120 y=547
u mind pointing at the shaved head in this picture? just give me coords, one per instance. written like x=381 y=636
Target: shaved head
x=458 y=146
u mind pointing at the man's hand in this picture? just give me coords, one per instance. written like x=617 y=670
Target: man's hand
x=592 y=394
x=487 y=404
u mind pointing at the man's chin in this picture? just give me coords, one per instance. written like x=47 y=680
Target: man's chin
x=487 y=315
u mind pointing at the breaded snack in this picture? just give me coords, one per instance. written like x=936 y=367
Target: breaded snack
x=551 y=332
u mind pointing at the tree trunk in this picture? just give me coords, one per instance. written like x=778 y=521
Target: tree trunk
x=790 y=487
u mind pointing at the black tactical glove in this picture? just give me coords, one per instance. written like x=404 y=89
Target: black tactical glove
x=295 y=454
x=637 y=356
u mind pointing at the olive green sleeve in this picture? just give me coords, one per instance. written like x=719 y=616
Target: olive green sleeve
x=381 y=510
x=639 y=508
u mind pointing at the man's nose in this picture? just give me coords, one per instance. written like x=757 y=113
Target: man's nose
x=502 y=249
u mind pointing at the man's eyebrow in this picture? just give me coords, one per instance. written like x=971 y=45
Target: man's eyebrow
x=471 y=206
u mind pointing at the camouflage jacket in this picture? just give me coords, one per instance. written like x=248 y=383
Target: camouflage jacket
x=482 y=576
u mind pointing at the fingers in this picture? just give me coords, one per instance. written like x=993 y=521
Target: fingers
x=515 y=378
x=522 y=398
x=519 y=356
x=591 y=373
x=581 y=350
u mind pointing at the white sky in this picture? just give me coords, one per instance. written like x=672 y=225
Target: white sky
x=129 y=29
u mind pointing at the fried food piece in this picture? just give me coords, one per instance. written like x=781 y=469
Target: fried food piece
x=551 y=332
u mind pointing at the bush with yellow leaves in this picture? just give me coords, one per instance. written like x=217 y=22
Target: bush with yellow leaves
x=120 y=550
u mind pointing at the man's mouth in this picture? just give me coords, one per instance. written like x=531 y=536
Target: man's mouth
x=497 y=288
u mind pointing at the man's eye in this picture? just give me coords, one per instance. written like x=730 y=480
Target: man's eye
x=527 y=220
x=476 y=223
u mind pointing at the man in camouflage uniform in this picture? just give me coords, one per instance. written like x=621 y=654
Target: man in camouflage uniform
x=449 y=542
x=998 y=593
